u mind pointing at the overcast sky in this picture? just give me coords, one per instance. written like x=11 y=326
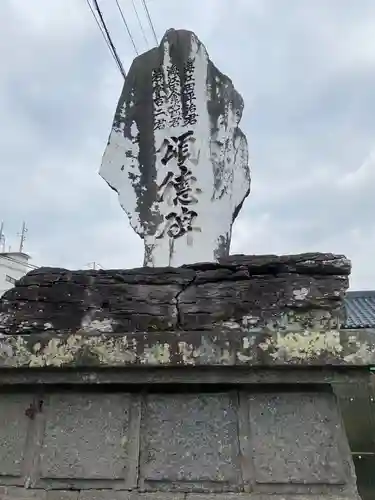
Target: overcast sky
x=306 y=70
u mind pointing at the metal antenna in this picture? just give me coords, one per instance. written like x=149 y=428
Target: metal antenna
x=23 y=236
x=2 y=237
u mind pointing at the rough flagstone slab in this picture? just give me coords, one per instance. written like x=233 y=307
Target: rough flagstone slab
x=312 y=418
x=195 y=455
x=84 y=430
x=13 y=436
x=176 y=155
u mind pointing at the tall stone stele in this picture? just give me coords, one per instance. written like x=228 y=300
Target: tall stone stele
x=209 y=381
x=176 y=155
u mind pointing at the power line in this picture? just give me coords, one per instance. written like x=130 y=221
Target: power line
x=127 y=27
x=103 y=34
x=150 y=20
x=140 y=23
x=109 y=38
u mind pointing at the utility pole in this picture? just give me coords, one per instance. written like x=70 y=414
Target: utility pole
x=23 y=236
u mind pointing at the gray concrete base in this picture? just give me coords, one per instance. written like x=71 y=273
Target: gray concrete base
x=159 y=441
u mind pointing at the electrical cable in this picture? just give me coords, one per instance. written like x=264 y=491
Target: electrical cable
x=103 y=34
x=140 y=23
x=127 y=27
x=104 y=30
x=109 y=38
x=150 y=20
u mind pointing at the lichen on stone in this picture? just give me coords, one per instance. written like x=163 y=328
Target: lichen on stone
x=364 y=354
x=16 y=351
x=158 y=354
x=303 y=345
x=187 y=352
x=228 y=347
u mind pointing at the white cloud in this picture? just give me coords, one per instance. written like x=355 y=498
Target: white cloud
x=361 y=178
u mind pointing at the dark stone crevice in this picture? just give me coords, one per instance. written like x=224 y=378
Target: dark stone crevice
x=179 y=324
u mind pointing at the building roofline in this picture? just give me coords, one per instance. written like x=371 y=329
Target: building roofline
x=14 y=254
x=360 y=293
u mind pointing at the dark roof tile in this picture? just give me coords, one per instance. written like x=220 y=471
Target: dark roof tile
x=360 y=309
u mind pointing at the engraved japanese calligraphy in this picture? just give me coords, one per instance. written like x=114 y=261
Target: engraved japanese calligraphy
x=159 y=98
x=176 y=156
x=174 y=96
x=179 y=190
x=188 y=94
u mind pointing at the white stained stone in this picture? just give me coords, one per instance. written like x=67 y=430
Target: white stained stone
x=176 y=156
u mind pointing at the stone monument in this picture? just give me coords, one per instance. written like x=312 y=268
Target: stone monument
x=210 y=381
x=176 y=155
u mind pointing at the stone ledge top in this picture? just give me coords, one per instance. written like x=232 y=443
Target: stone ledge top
x=305 y=263
x=260 y=291
x=225 y=347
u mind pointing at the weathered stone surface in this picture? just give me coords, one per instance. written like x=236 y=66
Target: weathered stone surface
x=243 y=291
x=176 y=155
x=19 y=493
x=263 y=441
x=13 y=435
x=99 y=494
x=273 y=321
x=223 y=347
x=357 y=404
x=246 y=311
x=62 y=495
x=193 y=375
x=272 y=496
x=296 y=439
x=198 y=436
x=87 y=437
